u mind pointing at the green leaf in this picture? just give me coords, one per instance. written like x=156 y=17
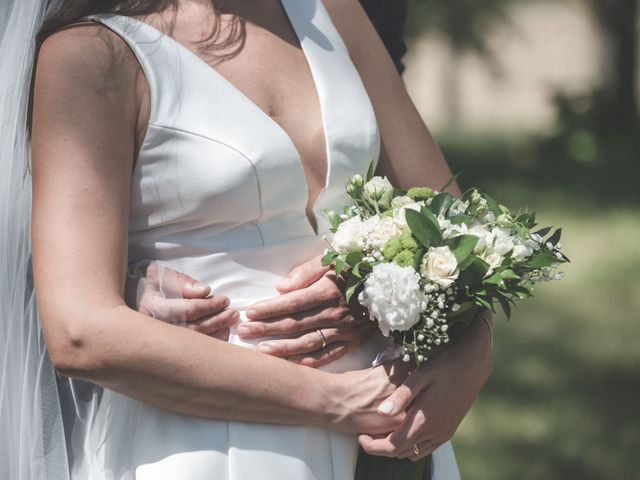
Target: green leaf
x=474 y=272
x=441 y=203
x=521 y=292
x=498 y=278
x=462 y=246
x=541 y=259
x=333 y=217
x=354 y=257
x=425 y=231
x=450 y=181
x=506 y=308
x=492 y=205
x=371 y=170
x=341 y=263
x=543 y=231
x=461 y=218
x=555 y=238
x=329 y=257
x=353 y=284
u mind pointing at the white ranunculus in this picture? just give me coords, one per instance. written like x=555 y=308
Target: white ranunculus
x=399 y=213
x=378 y=231
x=393 y=297
x=440 y=266
x=348 y=236
x=378 y=190
x=502 y=241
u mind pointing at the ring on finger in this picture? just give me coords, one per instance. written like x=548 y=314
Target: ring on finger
x=416 y=450
x=322 y=337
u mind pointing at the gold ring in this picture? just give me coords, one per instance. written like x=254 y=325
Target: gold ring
x=416 y=450
x=324 y=340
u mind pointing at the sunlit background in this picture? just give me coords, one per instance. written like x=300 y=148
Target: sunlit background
x=536 y=101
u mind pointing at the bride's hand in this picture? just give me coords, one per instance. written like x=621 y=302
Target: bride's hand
x=312 y=313
x=357 y=396
x=173 y=297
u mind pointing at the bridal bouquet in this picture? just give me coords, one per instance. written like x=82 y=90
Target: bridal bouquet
x=418 y=259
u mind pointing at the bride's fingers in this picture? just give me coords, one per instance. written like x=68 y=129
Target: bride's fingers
x=296 y=323
x=221 y=334
x=308 y=342
x=221 y=321
x=181 y=311
x=329 y=354
x=323 y=293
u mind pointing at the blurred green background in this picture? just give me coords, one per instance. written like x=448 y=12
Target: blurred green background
x=537 y=101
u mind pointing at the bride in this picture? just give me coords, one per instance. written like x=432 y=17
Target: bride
x=208 y=136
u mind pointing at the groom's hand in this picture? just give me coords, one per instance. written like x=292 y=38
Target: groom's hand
x=174 y=297
x=436 y=396
x=311 y=312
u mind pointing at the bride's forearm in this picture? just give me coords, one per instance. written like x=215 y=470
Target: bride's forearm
x=185 y=372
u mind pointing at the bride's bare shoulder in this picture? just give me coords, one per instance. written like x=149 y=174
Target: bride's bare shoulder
x=90 y=55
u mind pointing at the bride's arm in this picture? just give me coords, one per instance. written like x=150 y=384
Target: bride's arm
x=85 y=111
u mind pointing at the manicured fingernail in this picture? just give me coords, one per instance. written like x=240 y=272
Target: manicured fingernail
x=251 y=313
x=265 y=348
x=201 y=287
x=386 y=408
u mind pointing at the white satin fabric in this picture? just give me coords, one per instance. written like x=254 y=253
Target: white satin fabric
x=219 y=193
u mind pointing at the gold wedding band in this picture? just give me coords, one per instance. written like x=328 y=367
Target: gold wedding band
x=416 y=450
x=324 y=340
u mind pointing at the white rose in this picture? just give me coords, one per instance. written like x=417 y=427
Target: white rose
x=502 y=241
x=399 y=213
x=378 y=190
x=393 y=297
x=348 y=236
x=378 y=231
x=440 y=266
x=494 y=259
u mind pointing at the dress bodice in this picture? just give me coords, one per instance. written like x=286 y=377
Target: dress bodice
x=215 y=172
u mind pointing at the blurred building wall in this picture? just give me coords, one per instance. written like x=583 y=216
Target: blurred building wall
x=545 y=47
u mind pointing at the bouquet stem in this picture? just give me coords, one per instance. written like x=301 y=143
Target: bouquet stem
x=372 y=467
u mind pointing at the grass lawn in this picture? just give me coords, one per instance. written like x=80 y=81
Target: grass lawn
x=564 y=398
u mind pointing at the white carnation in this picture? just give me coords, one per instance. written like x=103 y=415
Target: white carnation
x=440 y=266
x=392 y=295
x=378 y=190
x=349 y=236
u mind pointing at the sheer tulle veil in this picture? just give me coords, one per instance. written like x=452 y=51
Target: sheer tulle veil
x=32 y=441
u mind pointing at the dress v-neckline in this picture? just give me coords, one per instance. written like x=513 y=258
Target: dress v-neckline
x=265 y=115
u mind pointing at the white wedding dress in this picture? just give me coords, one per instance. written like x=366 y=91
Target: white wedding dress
x=219 y=193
